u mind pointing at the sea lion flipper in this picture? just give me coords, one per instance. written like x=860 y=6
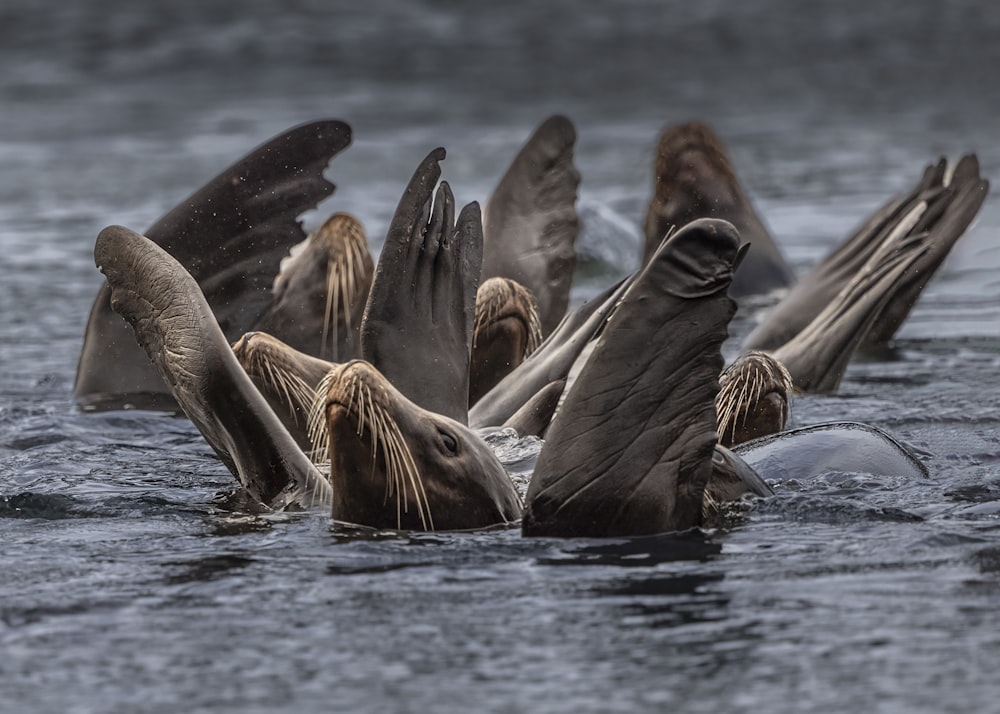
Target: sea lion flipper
x=946 y=221
x=231 y=235
x=630 y=450
x=530 y=220
x=411 y=332
x=946 y=207
x=174 y=324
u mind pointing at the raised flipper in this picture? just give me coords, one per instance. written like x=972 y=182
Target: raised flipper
x=694 y=179
x=630 y=450
x=418 y=324
x=936 y=206
x=231 y=236
x=817 y=357
x=530 y=222
x=175 y=326
x=551 y=362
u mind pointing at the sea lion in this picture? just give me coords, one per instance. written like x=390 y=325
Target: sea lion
x=940 y=206
x=231 y=235
x=530 y=221
x=320 y=293
x=287 y=378
x=507 y=330
x=630 y=450
x=753 y=399
x=845 y=447
x=395 y=465
x=177 y=328
x=693 y=178
x=550 y=363
x=453 y=480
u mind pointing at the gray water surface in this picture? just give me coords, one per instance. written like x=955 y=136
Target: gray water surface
x=127 y=587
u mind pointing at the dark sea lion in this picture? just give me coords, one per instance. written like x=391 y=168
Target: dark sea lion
x=844 y=447
x=177 y=328
x=231 y=235
x=319 y=295
x=506 y=331
x=396 y=465
x=694 y=179
x=630 y=450
x=287 y=378
x=940 y=206
x=530 y=221
x=418 y=323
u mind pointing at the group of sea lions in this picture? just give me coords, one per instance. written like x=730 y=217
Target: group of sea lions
x=322 y=378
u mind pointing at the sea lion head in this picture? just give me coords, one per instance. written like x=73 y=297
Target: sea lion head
x=506 y=330
x=286 y=377
x=321 y=290
x=753 y=398
x=395 y=465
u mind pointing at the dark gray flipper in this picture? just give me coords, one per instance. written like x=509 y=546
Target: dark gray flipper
x=551 y=362
x=175 y=326
x=630 y=450
x=941 y=208
x=817 y=357
x=230 y=235
x=418 y=324
x=530 y=221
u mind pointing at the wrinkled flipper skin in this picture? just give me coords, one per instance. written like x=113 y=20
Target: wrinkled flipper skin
x=418 y=323
x=531 y=224
x=935 y=206
x=694 y=179
x=231 y=236
x=630 y=451
x=551 y=362
x=175 y=326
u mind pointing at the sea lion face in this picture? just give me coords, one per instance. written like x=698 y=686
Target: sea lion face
x=507 y=330
x=753 y=398
x=395 y=465
x=286 y=377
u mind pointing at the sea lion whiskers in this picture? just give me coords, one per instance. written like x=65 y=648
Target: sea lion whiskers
x=742 y=388
x=355 y=395
x=347 y=248
x=290 y=386
x=499 y=293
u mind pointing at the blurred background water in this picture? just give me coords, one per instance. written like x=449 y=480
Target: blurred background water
x=126 y=589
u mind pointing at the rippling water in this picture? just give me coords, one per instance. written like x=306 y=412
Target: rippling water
x=127 y=587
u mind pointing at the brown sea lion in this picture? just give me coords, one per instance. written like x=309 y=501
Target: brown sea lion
x=694 y=179
x=320 y=292
x=507 y=330
x=287 y=378
x=396 y=465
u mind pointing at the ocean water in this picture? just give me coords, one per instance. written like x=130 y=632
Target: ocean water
x=126 y=587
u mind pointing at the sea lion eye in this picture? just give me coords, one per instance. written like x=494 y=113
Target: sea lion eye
x=449 y=442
